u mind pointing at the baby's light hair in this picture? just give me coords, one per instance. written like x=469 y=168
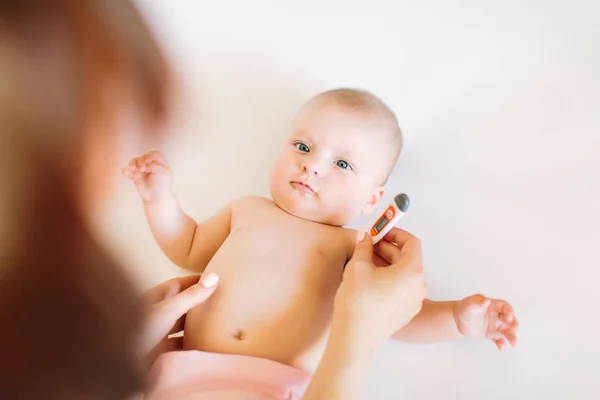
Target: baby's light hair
x=366 y=102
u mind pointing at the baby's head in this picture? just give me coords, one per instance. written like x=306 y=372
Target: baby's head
x=343 y=146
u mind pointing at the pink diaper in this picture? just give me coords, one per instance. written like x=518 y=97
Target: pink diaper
x=197 y=375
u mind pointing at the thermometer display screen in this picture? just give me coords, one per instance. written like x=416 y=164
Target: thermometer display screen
x=381 y=224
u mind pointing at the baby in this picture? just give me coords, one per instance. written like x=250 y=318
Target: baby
x=281 y=260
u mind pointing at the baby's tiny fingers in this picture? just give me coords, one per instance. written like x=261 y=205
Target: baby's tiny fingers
x=156 y=156
x=499 y=343
x=136 y=175
x=508 y=311
x=513 y=326
x=133 y=175
x=510 y=336
x=155 y=168
x=132 y=164
x=507 y=319
x=140 y=165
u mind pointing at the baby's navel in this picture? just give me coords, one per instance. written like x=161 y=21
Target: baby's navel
x=239 y=335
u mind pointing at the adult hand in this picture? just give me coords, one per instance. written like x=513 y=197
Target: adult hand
x=382 y=288
x=381 y=291
x=169 y=302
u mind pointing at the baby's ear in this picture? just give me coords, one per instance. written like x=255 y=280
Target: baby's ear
x=374 y=199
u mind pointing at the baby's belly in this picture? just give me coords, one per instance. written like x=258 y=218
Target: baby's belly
x=265 y=311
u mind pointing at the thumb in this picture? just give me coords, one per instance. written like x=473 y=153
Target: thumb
x=183 y=302
x=363 y=251
x=477 y=303
x=485 y=302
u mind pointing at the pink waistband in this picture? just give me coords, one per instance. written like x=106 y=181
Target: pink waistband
x=188 y=374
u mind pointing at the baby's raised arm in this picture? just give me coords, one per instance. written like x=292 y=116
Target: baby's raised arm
x=187 y=244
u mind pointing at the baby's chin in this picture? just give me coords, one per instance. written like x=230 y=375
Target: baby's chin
x=309 y=209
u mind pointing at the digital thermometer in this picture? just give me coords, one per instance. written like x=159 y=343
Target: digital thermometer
x=389 y=217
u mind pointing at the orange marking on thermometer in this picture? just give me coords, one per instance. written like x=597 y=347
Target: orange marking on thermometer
x=389 y=217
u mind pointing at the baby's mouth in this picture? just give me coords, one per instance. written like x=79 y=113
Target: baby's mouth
x=302 y=186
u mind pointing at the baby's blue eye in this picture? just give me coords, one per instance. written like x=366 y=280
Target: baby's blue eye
x=343 y=164
x=302 y=147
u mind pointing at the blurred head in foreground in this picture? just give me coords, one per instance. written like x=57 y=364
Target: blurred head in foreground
x=79 y=81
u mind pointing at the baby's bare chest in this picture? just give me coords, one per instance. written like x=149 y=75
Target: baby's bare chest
x=271 y=244
x=278 y=278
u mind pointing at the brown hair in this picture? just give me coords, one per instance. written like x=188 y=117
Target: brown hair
x=69 y=316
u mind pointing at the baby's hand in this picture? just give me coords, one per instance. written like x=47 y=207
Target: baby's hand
x=482 y=317
x=151 y=174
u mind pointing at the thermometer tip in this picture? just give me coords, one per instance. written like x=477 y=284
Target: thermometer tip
x=402 y=201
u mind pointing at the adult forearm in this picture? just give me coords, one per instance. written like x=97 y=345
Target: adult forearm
x=172 y=229
x=434 y=323
x=343 y=367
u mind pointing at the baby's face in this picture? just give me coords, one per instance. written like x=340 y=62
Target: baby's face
x=332 y=166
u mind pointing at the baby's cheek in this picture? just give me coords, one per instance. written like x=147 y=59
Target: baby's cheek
x=280 y=169
x=346 y=205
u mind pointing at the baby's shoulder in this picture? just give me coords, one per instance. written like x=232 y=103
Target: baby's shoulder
x=343 y=238
x=348 y=235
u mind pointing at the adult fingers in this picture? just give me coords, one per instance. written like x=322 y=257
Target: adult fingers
x=378 y=260
x=165 y=345
x=158 y=293
x=178 y=325
x=399 y=236
x=408 y=255
x=169 y=288
x=192 y=296
x=407 y=242
x=188 y=281
x=388 y=251
x=167 y=314
x=363 y=252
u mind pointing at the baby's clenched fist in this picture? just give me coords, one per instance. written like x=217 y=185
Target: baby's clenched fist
x=151 y=175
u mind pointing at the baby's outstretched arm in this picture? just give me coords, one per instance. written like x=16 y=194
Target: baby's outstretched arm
x=175 y=232
x=475 y=316
x=434 y=323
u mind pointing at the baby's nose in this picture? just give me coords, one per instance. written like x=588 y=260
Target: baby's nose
x=311 y=167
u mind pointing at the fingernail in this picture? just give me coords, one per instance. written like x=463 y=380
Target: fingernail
x=360 y=235
x=209 y=280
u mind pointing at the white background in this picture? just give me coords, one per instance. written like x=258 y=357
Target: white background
x=499 y=103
